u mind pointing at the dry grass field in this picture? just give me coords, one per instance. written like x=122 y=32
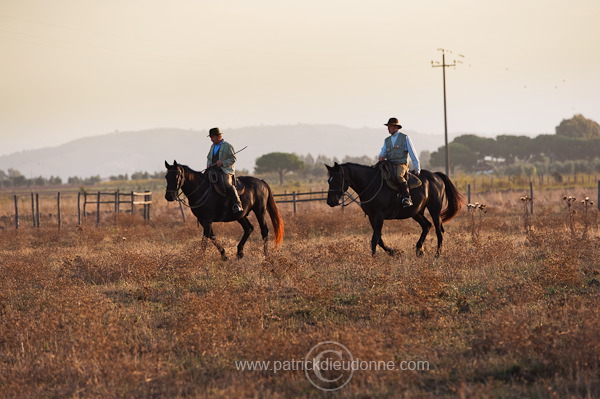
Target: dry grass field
x=137 y=310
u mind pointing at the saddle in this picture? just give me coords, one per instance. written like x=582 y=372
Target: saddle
x=216 y=178
x=388 y=171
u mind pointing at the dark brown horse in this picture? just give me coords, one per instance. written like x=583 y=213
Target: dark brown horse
x=380 y=203
x=208 y=206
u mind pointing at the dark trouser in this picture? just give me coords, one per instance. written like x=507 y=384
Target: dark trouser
x=231 y=190
x=401 y=177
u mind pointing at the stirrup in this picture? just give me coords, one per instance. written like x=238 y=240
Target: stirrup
x=237 y=208
x=406 y=202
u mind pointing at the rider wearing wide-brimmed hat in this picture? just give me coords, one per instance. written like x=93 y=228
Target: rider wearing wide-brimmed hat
x=397 y=148
x=222 y=154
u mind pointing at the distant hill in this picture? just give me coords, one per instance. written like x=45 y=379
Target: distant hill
x=127 y=152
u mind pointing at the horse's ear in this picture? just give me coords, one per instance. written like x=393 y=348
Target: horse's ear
x=174 y=163
x=327 y=166
x=335 y=165
x=167 y=165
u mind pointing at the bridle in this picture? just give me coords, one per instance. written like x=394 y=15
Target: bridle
x=179 y=194
x=346 y=193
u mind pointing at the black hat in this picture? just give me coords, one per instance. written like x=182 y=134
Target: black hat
x=214 y=132
x=393 y=122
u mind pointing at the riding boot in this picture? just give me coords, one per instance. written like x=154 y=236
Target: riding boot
x=404 y=195
x=235 y=198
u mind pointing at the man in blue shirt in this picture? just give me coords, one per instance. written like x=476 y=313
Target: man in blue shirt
x=397 y=148
x=222 y=154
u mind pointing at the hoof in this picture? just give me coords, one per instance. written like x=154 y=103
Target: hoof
x=420 y=252
x=438 y=253
x=239 y=255
x=224 y=257
x=392 y=253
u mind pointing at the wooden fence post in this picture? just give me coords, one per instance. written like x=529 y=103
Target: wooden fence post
x=116 y=207
x=294 y=199
x=33 y=209
x=98 y=210
x=531 y=196
x=79 y=208
x=37 y=210
x=58 y=204
x=468 y=193
x=147 y=199
x=132 y=199
x=84 y=204
x=182 y=212
x=16 y=213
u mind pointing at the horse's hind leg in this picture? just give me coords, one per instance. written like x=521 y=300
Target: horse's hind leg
x=439 y=231
x=248 y=228
x=425 y=226
x=264 y=228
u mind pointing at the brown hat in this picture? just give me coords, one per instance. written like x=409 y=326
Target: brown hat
x=214 y=132
x=393 y=122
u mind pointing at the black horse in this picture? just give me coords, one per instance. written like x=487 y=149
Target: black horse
x=380 y=203
x=209 y=206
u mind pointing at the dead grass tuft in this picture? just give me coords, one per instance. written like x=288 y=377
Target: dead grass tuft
x=138 y=310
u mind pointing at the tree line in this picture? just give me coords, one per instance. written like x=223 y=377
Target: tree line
x=14 y=178
x=574 y=148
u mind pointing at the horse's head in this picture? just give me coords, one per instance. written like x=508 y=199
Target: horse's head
x=181 y=178
x=175 y=178
x=337 y=184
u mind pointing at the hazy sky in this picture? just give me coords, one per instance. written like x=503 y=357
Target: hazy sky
x=74 y=68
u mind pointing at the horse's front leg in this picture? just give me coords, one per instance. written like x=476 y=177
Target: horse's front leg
x=208 y=233
x=377 y=225
x=387 y=249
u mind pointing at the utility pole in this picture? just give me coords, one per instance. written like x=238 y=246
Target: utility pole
x=443 y=65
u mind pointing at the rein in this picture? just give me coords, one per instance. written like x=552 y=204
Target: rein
x=352 y=199
x=180 y=195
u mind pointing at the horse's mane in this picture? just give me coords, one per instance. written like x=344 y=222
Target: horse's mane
x=190 y=173
x=357 y=165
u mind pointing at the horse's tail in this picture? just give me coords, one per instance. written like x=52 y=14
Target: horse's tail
x=455 y=199
x=276 y=218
